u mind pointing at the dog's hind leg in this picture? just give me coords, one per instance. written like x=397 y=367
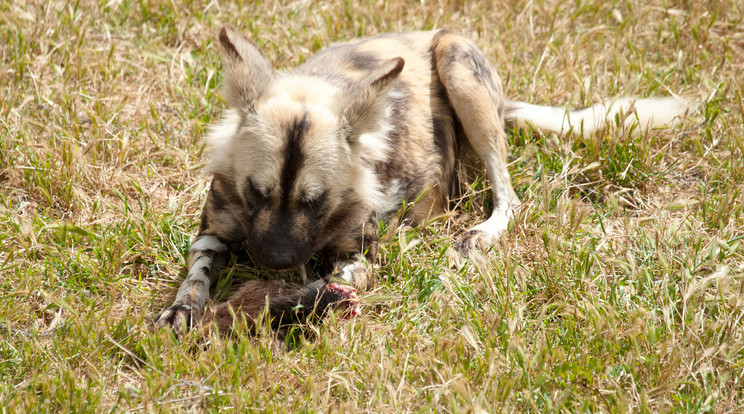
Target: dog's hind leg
x=474 y=91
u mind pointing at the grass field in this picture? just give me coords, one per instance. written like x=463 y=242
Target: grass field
x=619 y=288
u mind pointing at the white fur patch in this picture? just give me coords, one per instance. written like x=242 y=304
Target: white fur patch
x=208 y=243
x=495 y=225
x=371 y=148
x=219 y=141
x=394 y=195
x=353 y=273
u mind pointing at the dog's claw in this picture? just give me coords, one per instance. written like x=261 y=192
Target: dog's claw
x=176 y=317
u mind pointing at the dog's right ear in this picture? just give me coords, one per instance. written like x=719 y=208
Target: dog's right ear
x=364 y=104
x=246 y=71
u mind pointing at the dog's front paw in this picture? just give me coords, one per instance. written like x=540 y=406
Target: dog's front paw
x=177 y=317
x=474 y=240
x=343 y=296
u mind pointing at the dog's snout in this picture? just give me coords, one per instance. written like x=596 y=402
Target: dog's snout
x=280 y=259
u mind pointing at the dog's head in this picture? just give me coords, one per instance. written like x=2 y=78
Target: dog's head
x=300 y=151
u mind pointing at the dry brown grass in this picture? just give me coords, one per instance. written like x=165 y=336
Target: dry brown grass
x=619 y=287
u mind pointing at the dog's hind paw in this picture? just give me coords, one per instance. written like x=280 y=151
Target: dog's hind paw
x=474 y=240
x=482 y=236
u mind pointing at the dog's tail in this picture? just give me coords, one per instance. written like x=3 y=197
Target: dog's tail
x=639 y=114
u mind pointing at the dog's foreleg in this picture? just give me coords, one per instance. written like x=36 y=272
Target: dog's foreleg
x=474 y=91
x=206 y=256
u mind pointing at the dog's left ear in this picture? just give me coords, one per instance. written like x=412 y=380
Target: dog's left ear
x=246 y=71
x=364 y=104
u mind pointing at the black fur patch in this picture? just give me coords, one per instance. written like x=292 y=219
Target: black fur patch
x=293 y=158
x=483 y=73
x=227 y=44
x=223 y=195
x=444 y=138
x=255 y=199
x=363 y=61
x=342 y=219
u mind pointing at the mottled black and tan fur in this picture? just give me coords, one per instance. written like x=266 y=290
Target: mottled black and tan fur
x=307 y=162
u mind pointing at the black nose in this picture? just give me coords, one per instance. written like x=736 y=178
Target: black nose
x=280 y=259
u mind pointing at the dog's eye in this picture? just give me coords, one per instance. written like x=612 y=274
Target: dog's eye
x=316 y=203
x=253 y=193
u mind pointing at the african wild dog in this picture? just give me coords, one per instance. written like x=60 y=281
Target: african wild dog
x=307 y=162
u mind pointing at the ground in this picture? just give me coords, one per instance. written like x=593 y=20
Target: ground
x=619 y=287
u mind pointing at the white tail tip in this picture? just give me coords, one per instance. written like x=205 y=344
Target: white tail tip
x=638 y=114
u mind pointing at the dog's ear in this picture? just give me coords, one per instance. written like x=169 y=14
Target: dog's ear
x=246 y=71
x=364 y=104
